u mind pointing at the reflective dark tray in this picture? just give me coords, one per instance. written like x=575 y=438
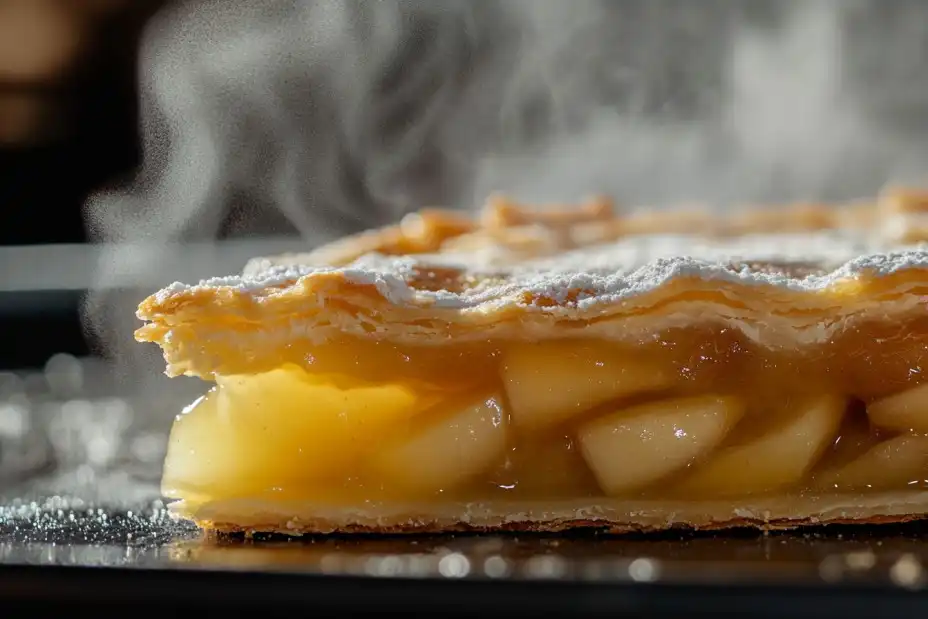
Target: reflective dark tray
x=82 y=526
x=63 y=554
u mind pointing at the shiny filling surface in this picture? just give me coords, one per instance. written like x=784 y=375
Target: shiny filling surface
x=696 y=414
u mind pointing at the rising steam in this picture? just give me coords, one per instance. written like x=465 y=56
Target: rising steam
x=318 y=119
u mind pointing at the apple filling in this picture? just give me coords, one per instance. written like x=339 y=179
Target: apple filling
x=695 y=414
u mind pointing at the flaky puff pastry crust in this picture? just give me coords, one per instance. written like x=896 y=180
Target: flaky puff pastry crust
x=785 y=277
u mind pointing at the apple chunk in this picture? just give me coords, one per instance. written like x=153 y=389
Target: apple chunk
x=778 y=458
x=632 y=448
x=904 y=412
x=285 y=427
x=440 y=453
x=548 y=383
x=890 y=465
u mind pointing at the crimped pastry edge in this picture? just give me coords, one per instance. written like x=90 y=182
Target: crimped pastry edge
x=605 y=515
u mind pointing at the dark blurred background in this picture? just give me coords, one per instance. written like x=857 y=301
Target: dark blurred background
x=309 y=120
x=68 y=125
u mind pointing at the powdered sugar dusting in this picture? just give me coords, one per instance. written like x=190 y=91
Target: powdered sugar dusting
x=604 y=273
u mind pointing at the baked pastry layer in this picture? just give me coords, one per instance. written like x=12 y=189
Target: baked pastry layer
x=610 y=516
x=541 y=370
x=518 y=275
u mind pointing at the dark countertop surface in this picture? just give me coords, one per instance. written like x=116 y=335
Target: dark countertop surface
x=52 y=549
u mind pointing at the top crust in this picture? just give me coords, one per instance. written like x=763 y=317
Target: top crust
x=784 y=277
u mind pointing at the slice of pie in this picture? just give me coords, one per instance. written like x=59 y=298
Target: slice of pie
x=546 y=369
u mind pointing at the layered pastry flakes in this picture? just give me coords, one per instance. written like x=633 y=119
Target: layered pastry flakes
x=541 y=369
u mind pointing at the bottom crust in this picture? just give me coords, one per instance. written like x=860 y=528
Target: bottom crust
x=605 y=515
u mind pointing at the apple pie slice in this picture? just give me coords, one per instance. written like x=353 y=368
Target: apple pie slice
x=546 y=369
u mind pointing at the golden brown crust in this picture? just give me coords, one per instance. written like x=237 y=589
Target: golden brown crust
x=214 y=331
x=505 y=222
x=417 y=233
x=553 y=527
x=608 y=516
x=536 y=231
x=511 y=274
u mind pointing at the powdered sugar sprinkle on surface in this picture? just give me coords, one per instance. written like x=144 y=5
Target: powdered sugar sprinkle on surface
x=606 y=273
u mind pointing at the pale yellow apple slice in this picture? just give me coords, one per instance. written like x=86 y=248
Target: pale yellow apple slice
x=548 y=383
x=890 y=465
x=780 y=457
x=904 y=412
x=443 y=448
x=279 y=429
x=632 y=448
x=198 y=460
